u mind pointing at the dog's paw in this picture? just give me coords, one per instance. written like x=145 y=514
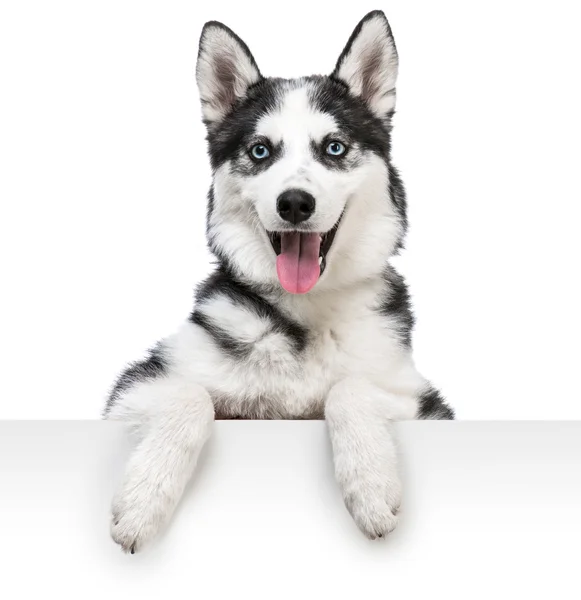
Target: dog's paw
x=136 y=516
x=374 y=509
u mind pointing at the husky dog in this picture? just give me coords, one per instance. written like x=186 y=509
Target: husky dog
x=304 y=317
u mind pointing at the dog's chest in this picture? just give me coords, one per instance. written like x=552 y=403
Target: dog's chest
x=277 y=380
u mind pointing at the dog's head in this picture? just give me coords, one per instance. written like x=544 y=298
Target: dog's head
x=304 y=192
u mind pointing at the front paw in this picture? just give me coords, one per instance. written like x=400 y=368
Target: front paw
x=374 y=508
x=137 y=513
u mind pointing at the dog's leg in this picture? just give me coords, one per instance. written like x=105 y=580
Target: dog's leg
x=172 y=436
x=359 y=417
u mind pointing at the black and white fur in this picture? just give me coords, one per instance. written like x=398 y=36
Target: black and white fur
x=249 y=349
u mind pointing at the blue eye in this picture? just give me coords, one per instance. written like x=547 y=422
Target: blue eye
x=336 y=149
x=259 y=152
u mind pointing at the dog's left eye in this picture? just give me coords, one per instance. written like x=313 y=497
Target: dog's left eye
x=259 y=152
x=335 y=148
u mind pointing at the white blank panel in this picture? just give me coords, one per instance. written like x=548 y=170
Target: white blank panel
x=490 y=510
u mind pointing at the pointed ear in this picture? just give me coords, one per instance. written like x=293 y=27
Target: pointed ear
x=225 y=71
x=368 y=64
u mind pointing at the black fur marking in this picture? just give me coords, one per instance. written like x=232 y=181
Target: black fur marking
x=243 y=164
x=398 y=197
x=433 y=406
x=214 y=248
x=209 y=209
x=356 y=122
x=349 y=160
x=231 y=346
x=230 y=138
x=152 y=367
x=212 y=245
x=224 y=283
x=397 y=305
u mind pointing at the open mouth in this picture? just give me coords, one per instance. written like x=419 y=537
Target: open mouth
x=301 y=257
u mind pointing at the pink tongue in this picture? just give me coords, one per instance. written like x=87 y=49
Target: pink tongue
x=298 y=263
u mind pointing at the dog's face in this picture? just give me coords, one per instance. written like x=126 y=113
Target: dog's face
x=302 y=180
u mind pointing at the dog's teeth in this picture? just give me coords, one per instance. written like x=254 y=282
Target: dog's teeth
x=320 y=259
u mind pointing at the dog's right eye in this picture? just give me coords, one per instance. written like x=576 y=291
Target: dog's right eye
x=335 y=148
x=259 y=152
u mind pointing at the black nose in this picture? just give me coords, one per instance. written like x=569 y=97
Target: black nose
x=295 y=206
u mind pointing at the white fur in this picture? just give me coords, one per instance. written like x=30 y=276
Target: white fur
x=164 y=459
x=248 y=326
x=359 y=417
x=354 y=370
x=296 y=121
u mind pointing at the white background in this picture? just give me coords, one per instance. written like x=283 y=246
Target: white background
x=103 y=180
